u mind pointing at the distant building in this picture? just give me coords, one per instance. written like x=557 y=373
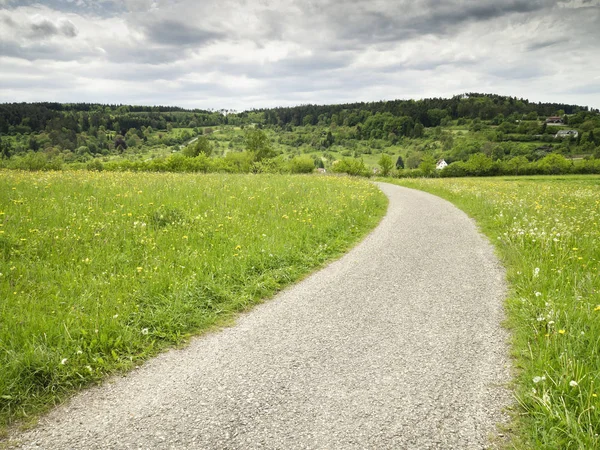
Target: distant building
x=321 y=170
x=441 y=164
x=554 y=120
x=566 y=133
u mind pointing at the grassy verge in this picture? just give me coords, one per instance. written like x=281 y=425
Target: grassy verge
x=98 y=271
x=547 y=232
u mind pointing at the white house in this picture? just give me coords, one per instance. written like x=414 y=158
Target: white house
x=441 y=164
x=566 y=133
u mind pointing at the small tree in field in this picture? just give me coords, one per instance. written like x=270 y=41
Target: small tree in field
x=202 y=145
x=427 y=165
x=386 y=164
x=400 y=163
x=258 y=144
x=302 y=164
x=517 y=163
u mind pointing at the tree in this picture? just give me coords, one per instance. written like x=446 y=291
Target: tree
x=386 y=164
x=5 y=148
x=435 y=116
x=258 y=144
x=516 y=163
x=201 y=145
x=413 y=160
x=479 y=164
x=554 y=164
x=427 y=165
x=532 y=116
x=447 y=140
x=418 y=130
x=329 y=140
x=33 y=143
x=351 y=166
x=400 y=163
x=120 y=143
x=302 y=164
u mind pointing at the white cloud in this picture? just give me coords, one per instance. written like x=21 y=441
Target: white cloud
x=244 y=54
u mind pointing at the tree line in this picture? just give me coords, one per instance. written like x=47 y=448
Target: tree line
x=428 y=112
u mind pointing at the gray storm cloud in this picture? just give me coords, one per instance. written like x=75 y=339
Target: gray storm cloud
x=252 y=53
x=42 y=27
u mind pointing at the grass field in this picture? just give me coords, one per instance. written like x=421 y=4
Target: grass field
x=547 y=232
x=98 y=271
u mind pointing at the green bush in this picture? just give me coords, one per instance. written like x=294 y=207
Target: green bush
x=302 y=164
x=200 y=146
x=554 y=164
x=35 y=161
x=351 y=166
x=95 y=165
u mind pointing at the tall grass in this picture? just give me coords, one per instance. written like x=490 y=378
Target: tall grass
x=547 y=233
x=98 y=271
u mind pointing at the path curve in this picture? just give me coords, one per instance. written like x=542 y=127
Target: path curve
x=396 y=345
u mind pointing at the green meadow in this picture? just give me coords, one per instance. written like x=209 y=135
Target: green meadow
x=546 y=231
x=99 y=271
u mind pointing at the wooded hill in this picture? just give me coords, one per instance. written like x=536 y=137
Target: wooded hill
x=455 y=129
x=429 y=112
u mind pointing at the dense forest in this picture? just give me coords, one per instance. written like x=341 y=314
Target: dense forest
x=428 y=112
x=411 y=132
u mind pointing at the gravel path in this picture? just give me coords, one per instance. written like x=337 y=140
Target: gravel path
x=396 y=345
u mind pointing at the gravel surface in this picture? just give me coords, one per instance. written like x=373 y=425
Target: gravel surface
x=396 y=345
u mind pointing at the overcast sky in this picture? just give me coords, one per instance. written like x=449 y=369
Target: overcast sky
x=236 y=54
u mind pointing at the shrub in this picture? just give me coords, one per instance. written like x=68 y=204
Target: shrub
x=553 y=164
x=200 y=146
x=95 y=165
x=302 y=164
x=351 y=166
x=35 y=161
